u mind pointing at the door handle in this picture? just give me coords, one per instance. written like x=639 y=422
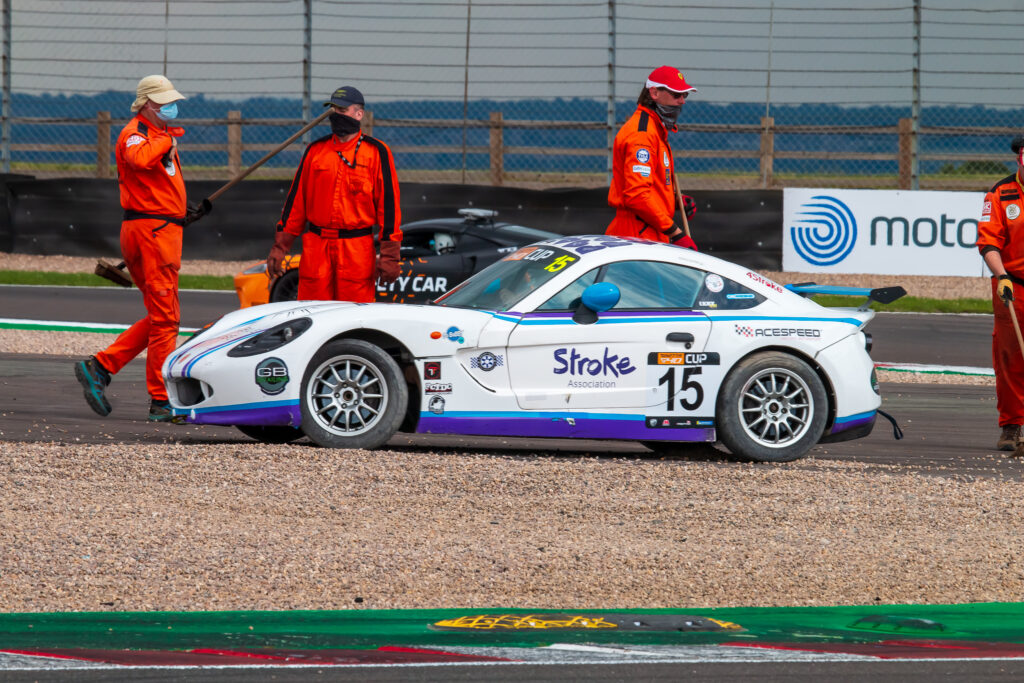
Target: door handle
x=684 y=337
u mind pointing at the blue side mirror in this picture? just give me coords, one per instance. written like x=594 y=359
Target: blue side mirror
x=601 y=296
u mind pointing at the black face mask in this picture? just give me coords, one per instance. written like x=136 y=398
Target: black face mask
x=668 y=114
x=342 y=125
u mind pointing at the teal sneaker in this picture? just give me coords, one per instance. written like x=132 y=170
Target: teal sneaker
x=94 y=379
x=160 y=411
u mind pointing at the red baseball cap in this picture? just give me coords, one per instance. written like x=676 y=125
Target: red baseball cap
x=670 y=78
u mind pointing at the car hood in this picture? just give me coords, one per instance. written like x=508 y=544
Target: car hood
x=424 y=330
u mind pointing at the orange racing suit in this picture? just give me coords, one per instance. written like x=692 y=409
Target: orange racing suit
x=341 y=195
x=642 y=191
x=153 y=199
x=1001 y=227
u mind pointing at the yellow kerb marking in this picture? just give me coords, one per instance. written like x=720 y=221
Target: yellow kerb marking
x=523 y=621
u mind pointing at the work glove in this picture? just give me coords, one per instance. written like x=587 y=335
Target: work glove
x=282 y=243
x=389 y=261
x=1004 y=286
x=689 y=206
x=683 y=240
x=196 y=211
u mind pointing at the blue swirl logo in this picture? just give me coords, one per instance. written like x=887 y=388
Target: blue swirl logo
x=828 y=233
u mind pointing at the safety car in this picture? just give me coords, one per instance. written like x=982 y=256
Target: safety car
x=594 y=337
x=437 y=254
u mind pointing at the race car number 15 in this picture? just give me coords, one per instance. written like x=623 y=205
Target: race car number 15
x=691 y=393
x=559 y=263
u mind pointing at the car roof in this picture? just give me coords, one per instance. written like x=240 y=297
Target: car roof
x=483 y=227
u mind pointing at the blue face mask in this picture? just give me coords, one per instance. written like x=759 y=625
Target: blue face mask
x=168 y=112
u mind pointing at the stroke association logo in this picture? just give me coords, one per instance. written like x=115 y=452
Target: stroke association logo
x=826 y=233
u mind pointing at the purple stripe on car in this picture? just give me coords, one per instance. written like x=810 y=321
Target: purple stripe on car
x=857 y=421
x=273 y=415
x=584 y=428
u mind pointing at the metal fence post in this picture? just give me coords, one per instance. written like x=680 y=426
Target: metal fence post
x=915 y=105
x=497 y=148
x=234 y=142
x=5 y=125
x=767 y=150
x=307 y=69
x=609 y=166
x=103 y=144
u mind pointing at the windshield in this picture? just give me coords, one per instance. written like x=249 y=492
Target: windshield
x=503 y=284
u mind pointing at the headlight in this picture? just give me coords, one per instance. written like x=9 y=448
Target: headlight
x=258 y=268
x=274 y=338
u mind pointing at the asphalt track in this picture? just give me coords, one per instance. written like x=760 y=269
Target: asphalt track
x=950 y=430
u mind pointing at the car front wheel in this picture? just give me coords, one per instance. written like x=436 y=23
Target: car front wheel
x=771 y=408
x=353 y=395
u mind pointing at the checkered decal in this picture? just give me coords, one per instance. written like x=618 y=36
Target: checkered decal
x=744 y=330
x=486 y=361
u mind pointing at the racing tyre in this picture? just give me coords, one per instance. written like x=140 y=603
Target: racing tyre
x=353 y=395
x=771 y=408
x=271 y=433
x=286 y=287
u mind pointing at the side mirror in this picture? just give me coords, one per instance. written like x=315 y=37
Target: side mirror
x=601 y=296
x=598 y=297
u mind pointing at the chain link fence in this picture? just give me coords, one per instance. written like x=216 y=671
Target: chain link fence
x=901 y=93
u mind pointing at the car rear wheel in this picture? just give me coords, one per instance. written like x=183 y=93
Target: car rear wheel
x=271 y=433
x=286 y=287
x=771 y=408
x=353 y=395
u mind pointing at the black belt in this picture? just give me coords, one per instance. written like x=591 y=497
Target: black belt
x=342 y=234
x=136 y=215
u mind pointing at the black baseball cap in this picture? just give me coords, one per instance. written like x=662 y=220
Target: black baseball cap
x=346 y=96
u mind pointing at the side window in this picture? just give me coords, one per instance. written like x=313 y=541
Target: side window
x=719 y=293
x=418 y=243
x=569 y=298
x=650 y=284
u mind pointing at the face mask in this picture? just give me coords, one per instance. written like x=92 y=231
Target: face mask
x=342 y=125
x=668 y=114
x=167 y=112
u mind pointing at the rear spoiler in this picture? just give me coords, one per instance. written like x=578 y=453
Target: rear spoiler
x=883 y=295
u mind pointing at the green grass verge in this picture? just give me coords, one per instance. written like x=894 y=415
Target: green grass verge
x=23 y=277
x=912 y=304
x=909 y=304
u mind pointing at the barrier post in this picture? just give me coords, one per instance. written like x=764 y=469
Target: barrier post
x=367 y=123
x=234 y=142
x=103 y=144
x=497 y=148
x=906 y=153
x=767 y=150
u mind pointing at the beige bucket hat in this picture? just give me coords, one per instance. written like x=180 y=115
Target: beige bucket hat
x=157 y=88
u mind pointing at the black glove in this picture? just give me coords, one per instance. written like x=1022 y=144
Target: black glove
x=196 y=211
x=1004 y=286
x=689 y=206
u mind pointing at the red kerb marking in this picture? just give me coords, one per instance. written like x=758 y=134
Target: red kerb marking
x=903 y=649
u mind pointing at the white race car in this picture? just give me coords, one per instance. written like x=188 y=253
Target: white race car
x=592 y=337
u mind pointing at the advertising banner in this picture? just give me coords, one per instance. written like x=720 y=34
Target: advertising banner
x=890 y=232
